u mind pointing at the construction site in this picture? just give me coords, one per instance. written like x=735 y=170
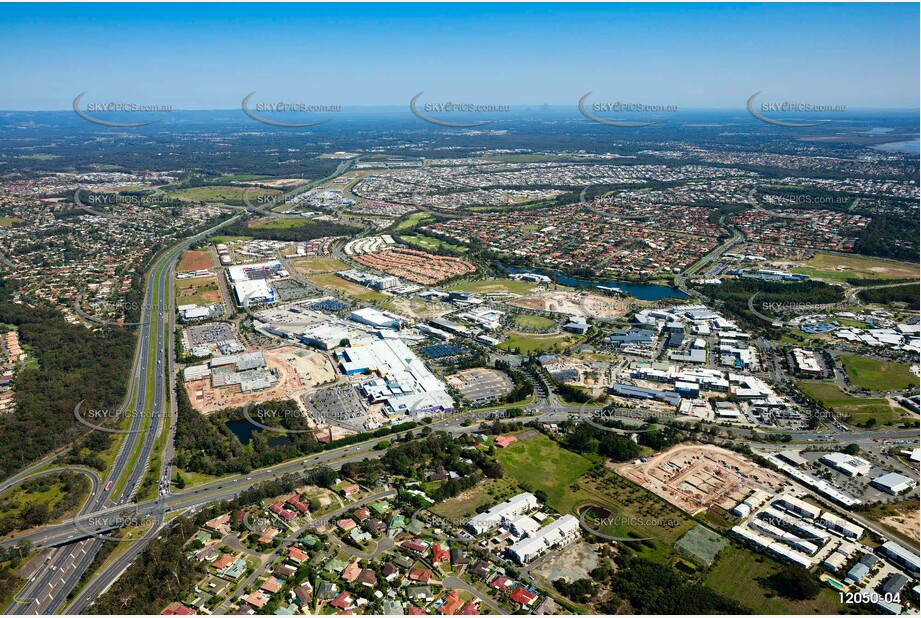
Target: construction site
x=254 y=377
x=573 y=303
x=696 y=477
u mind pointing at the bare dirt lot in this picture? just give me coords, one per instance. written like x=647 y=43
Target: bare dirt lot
x=298 y=370
x=574 y=303
x=694 y=477
x=195 y=260
x=908 y=523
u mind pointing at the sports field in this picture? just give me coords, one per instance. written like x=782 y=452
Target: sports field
x=877 y=375
x=572 y=483
x=859 y=410
x=533 y=322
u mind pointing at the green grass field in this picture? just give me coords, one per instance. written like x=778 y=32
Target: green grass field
x=202 y=291
x=283 y=224
x=509 y=286
x=222 y=194
x=840 y=267
x=334 y=282
x=429 y=243
x=572 y=482
x=533 y=322
x=320 y=265
x=413 y=219
x=540 y=463
x=528 y=158
x=859 y=410
x=877 y=375
x=738 y=573
x=538 y=343
x=7 y=222
x=243 y=177
x=489 y=492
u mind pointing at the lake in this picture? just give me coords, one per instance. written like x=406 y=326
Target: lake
x=911 y=146
x=244 y=431
x=640 y=291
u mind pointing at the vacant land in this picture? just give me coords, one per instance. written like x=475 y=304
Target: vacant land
x=202 y=291
x=487 y=493
x=526 y=344
x=856 y=410
x=573 y=483
x=540 y=463
x=6 y=222
x=901 y=519
x=429 y=243
x=195 y=260
x=41 y=500
x=533 y=322
x=228 y=194
x=838 y=267
x=739 y=573
x=412 y=220
x=877 y=375
x=319 y=265
x=497 y=286
x=336 y=283
x=282 y=224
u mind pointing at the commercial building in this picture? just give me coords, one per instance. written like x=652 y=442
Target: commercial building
x=636 y=392
x=378 y=319
x=403 y=383
x=841 y=526
x=253 y=272
x=901 y=556
x=797 y=506
x=324 y=336
x=251 y=292
x=806 y=362
x=847 y=464
x=893 y=483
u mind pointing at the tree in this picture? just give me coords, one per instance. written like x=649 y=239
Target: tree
x=852 y=449
x=795 y=583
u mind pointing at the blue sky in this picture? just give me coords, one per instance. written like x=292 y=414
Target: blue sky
x=209 y=56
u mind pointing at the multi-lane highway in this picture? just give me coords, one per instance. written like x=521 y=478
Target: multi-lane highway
x=48 y=590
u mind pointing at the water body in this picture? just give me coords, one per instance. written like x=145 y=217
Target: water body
x=912 y=146
x=244 y=430
x=878 y=131
x=640 y=291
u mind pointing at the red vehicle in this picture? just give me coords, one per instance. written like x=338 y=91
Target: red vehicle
x=108 y=486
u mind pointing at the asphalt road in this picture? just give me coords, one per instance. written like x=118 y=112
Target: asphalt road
x=48 y=590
